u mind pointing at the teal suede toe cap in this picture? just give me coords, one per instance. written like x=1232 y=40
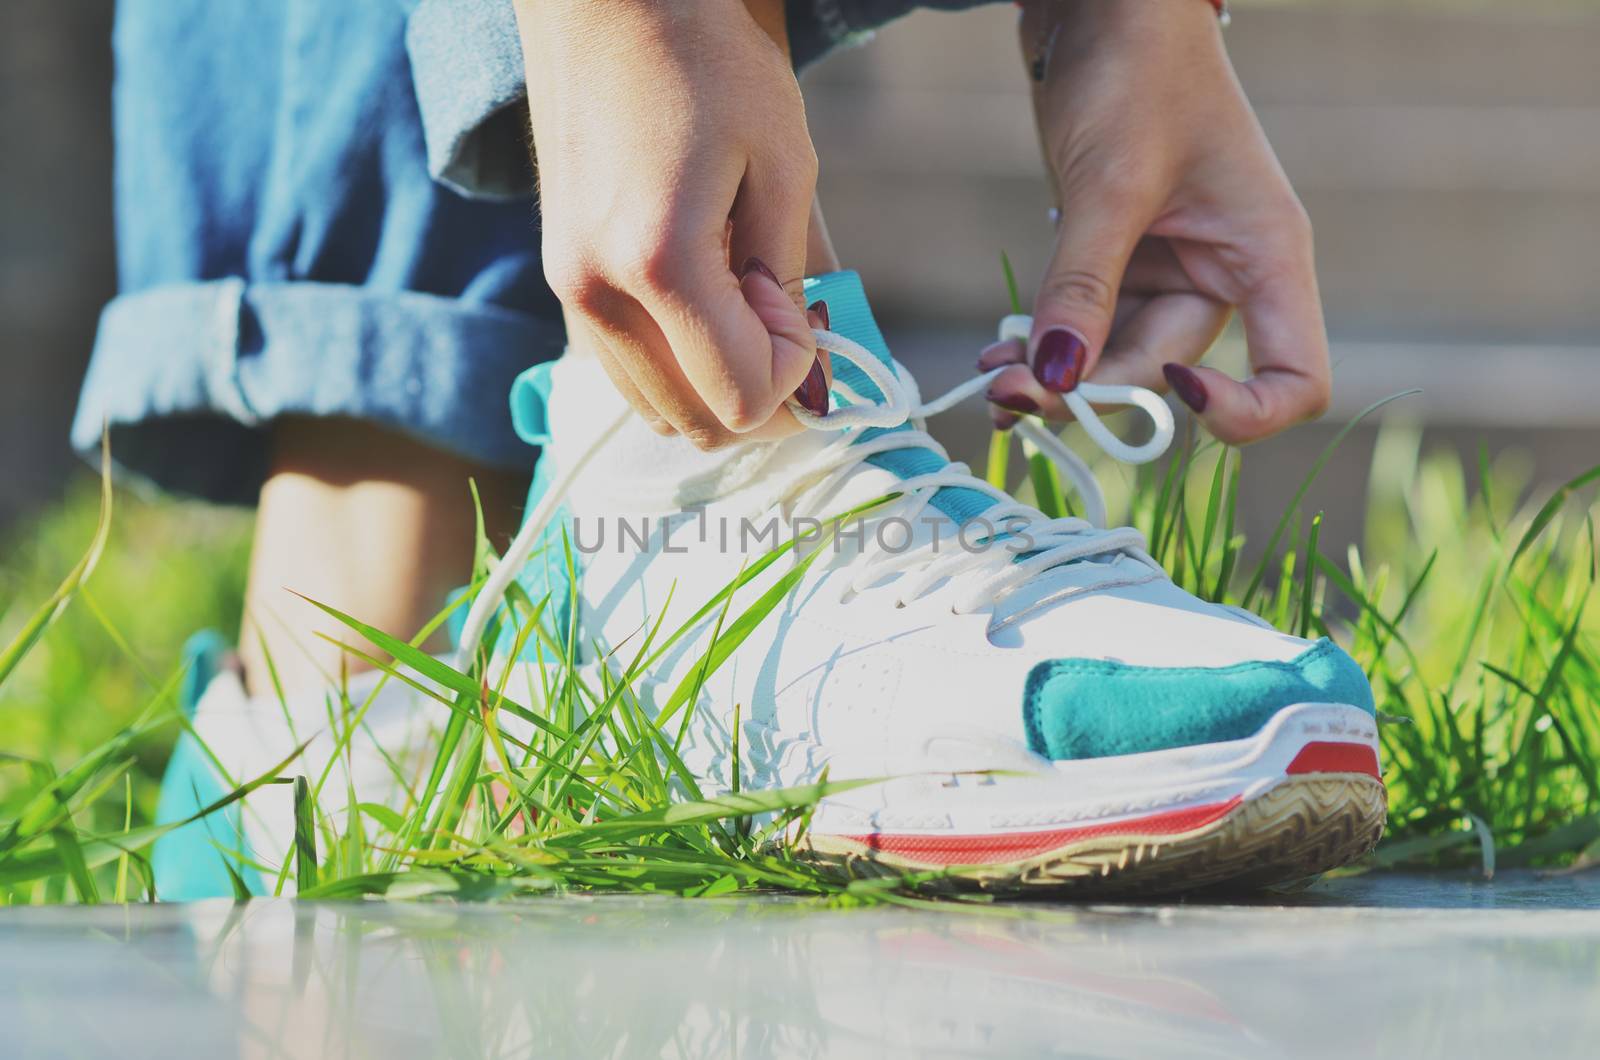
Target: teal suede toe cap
x=1090 y=708
x=192 y=861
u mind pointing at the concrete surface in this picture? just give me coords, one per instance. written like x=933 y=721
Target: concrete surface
x=1409 y=966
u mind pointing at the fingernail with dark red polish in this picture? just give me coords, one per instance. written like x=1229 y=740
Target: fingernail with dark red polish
x=1187 y=385
x=755 y=264
x=1002 y=420
x=1014 y=402
x=821 y=309
x=1058 y=361
x=813 y=393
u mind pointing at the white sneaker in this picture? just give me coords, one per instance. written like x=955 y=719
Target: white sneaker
x=1145 y=739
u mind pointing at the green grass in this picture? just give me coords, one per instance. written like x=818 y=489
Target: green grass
x=1469 y=611
x=168 y=569
x=1467 y=607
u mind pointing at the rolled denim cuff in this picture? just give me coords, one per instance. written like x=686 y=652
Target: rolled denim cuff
x=466 y=67
x=187 y=377
x=466 y=64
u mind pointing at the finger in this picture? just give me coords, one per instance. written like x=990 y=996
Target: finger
x=820 y=258
x=776 y=215
x=776 y=225
x=1288 y=346
x=813 y=393
x=1129 y=305
x=641 y=354
x=634 y=352
x=585 y=341
x=1006 y=351
x=1019 y=390
x=1168 y=328
x=1155 y=268
x=786 y=325
x=789 y=330
x=1072 y=315
x=1016 y=390
x=771 y=304
x=818 y=317
x=620 y=379
x=741 y=363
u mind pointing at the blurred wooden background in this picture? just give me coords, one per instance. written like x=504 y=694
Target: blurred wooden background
x=1450 y=163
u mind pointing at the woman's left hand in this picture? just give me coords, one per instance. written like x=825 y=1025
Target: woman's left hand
x=1173 y=211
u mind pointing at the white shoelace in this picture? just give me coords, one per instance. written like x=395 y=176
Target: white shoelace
x=986 y=575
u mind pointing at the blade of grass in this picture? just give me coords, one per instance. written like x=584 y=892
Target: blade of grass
x=1541 y=520
x=52 y=608
x=1305 y=486
x=998 y=471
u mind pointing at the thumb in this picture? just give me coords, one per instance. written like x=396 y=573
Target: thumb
x=793 y=342
x=1072 y=313
x=770 y=221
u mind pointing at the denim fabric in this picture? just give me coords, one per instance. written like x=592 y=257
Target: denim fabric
x=282 y=249
x=325 y=209
x=466 y=62
x=467 y=58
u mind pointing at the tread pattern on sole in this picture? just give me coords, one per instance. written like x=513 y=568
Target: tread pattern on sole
x=1303 y=825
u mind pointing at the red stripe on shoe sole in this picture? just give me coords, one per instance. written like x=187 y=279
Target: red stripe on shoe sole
x=1016 y=846
x=1330 y=756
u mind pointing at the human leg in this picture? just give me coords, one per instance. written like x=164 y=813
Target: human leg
x=365 y=520
x=306 y=319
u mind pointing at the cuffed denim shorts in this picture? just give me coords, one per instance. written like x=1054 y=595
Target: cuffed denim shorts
x=282 y=250
x=294 y=235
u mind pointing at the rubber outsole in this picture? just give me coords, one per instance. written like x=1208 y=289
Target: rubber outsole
x=1302 y=825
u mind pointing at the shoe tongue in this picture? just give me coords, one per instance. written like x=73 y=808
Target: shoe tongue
x=850 y=315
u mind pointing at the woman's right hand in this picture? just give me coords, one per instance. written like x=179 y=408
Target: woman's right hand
x=672 y=148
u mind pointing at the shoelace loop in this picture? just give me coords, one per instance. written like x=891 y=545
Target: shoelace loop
x=901 y=403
